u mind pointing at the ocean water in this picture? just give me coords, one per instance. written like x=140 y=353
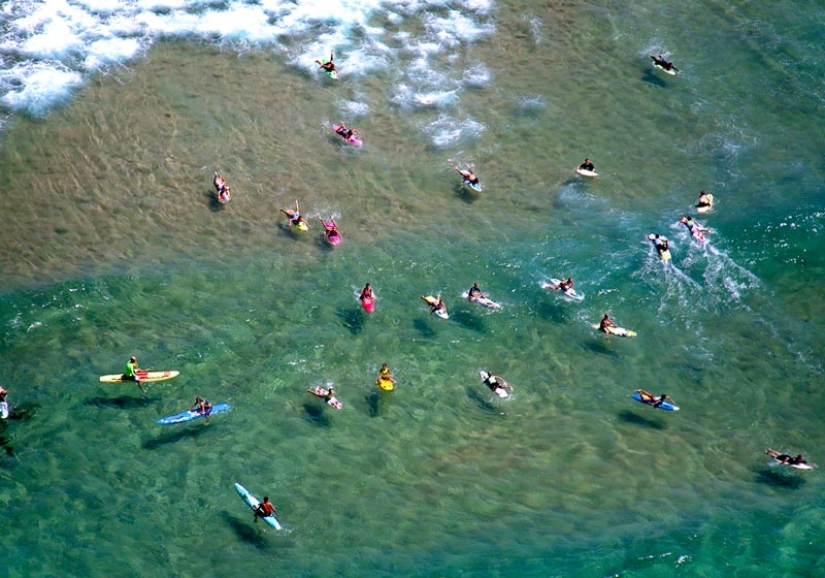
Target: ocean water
x=116 y=116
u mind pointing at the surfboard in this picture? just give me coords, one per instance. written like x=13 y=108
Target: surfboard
x=671 y=71
x=386 y=384
x=253 y=504
x=776 y=462
x=586 y=173
x=368 y=303
x=301 y=226
x=321 y=392
x=475 y=186
x=353 y=140
x=192 y=414
x=4 y=409
x=619 y=331
x=570 y=294
x=663 y=255
x=145 y=376
x=499 y=391
x=705 y=208
x=665 y=405
x=442 y=313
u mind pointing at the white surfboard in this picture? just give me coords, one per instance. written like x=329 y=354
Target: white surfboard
x=586 y=173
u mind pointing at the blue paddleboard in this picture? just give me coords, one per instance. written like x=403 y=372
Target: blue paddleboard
x=253 y=504
x=192 y=414
x=666 y=405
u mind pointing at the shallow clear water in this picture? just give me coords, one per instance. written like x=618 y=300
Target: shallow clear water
x=113 y=245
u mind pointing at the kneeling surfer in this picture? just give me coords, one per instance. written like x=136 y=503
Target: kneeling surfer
x=264 y=510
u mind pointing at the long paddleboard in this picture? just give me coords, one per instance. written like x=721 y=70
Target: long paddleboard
x=253 y=504
x=571 y=293
x=665 y=405
x=620 y=331
x=145 y=376
x=192 y=414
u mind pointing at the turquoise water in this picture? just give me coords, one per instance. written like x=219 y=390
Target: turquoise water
x=112 y=246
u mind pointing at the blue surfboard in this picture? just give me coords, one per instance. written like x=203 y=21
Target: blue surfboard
x=192 y=414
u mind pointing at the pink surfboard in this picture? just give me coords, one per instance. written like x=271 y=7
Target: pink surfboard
x=353 y=140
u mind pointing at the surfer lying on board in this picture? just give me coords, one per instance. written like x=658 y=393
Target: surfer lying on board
x=347 y=133
x=785 y=458
x=224 y=192
x=294 y=217
x=587 y=166
x=203 y=406
x=475 y=293
x=648 y=397
x=130 y=372
x=437 y=306
x=658 y=60
x=329 y=66
x=705 y=200
x=467 y=173
x=659 y=242
x=264 y=509
x=495 y=383
x=330 y=227
x=692 y=225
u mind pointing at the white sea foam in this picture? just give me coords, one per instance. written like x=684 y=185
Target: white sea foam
x=52 y=47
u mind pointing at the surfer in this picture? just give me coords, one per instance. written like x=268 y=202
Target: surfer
x=331 y=228
x=384 y=374
x=204 y=407
x=328 y=66
x=467 y=174
x=438 y=306
x=264 y=510
x=692 y=225
x=705 y=200
x=224 y=192
x=587 y=166
x=651 y=399
x=606 y=323
x=347 y=133
x=474 y=294
x=495 y=383
x=565 y=285
x=786 y=459
x=294 y=217
x=659 y=242
x=366 y=292
x=130 y=373
x=660 y=61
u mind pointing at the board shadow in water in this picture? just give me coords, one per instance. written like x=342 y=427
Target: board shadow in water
x=121 y=402
x=483 y=402
x=378 y=402
x=22 y=412
x=636 y=419
x=649 y=76
x=600 y=346
x=316 y=414
x=185 y=433
x=550 y=310
x=468 y=321
x=246 y=531
x=352 y=319
x=214 y=204
x=779 y=478
x=465 y=194
x=423 y=328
